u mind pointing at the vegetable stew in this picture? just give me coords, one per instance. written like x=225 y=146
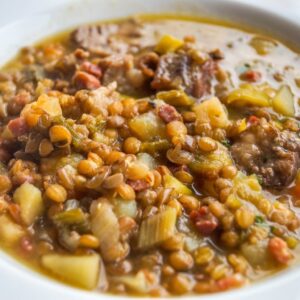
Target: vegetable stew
x=152 y=156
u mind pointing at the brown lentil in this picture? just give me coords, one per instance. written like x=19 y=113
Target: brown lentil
x=181 y=260
x=56 y=193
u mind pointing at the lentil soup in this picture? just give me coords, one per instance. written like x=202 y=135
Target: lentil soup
x=152 y=156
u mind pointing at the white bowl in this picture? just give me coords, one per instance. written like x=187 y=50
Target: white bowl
x=19 y=282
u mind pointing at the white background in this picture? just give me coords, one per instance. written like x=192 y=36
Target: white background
x=11 y=10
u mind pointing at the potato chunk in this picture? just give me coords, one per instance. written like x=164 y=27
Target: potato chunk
x=10 y=232
x=31 y=203
x=283 y=102
x=212 y=111
x=147 y=126
x=82 y=271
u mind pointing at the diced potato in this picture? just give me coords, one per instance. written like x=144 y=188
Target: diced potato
x=147 y=159
x=157 y=228
x=256 y=254
x=82 y=271
x=176 y=98
x=248 y=95
x=209 y=165
x=174 y=183
x=124 y=208
x=147 y=126
x=212 y=111
x=283 y=102
x=44 y=104
x=136 y=283
x=168 y=44
x=10 y=232
x=31 y=202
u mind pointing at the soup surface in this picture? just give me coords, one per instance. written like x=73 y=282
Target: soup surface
x=152 y=156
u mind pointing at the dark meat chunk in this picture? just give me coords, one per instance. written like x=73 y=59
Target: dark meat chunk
x=106 y=39
x=268 y=152
x=120 y=69
x=177 y=71
x=17 y=126
x=204 y=221
x=168 y=113
x=93 y=37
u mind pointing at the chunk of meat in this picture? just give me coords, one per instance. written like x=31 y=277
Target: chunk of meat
x=93 y=36
x=168 y=113
x=98 y=39
x=138 y=185
x=91 y=69
x=180 y=71
x=268 y=152
x=204 y=220
x=120 y=69
x=18 y=126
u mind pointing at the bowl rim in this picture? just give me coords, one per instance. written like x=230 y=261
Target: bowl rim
x=9 y=264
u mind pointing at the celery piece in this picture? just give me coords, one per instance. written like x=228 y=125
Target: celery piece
x=212 y=111
x=10 y=232
x=179 y=187
x=82 y=271
x=105 y=226
x=167 y=44
x=31 y=202
x=283 y=102
x=175 y=98
x=209 y=164
x=248 y=95
x=155 y=146
x=157 y=228
x=73 y=216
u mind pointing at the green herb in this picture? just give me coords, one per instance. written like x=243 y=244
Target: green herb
x=259 y=179
x=259 y=219
x=226 y=143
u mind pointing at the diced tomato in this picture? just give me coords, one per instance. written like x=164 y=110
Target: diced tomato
x=230 y=282
x=253 y=120
x=279 y=250
x=91 y=69
x=251 y=76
